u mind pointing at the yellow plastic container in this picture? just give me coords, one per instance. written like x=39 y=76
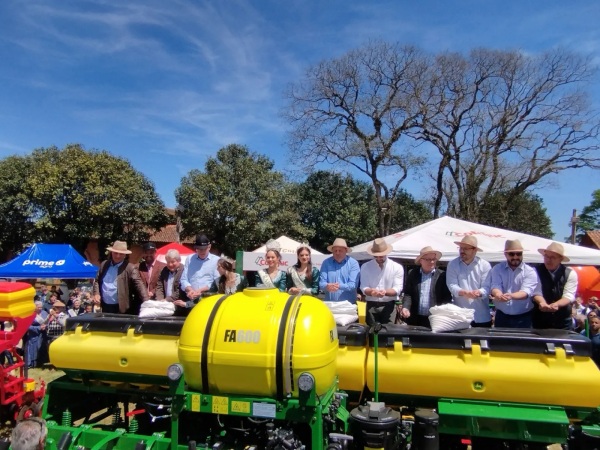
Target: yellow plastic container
x=490 y=366
x=352 y=356
x=117 y=343
x=16 y=300
x=258 y=342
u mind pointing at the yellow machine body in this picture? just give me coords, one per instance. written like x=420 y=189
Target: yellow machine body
x=352 y=356
x=92 y=345
x=477 y=366
x=258 y=342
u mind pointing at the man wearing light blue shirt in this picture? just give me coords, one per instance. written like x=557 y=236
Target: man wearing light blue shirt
x=467 y=278
x=339 y=274
x=200 y=270
x=512 y=285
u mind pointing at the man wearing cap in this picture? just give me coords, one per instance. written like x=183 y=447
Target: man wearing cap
x=467 y=279
x=381 y=281
x=339 y=274
x=425 y=287
x=118 y=287
x=512 y=285
x=555 y=292
x=200 y=270
x=150 y=268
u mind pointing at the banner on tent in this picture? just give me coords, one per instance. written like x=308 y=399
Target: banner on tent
x=257 y=261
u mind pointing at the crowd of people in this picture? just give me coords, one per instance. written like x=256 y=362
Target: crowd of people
x=512 y=294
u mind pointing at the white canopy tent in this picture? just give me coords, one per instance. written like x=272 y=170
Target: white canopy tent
x=443 y=232
x=255 y=260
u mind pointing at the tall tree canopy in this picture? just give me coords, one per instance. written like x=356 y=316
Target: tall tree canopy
x=355 y=110
x=488 y=122
x=71 y=195
x=504 y=121
x=239 y=201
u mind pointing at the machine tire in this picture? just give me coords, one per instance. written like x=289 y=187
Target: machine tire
x=24 y=413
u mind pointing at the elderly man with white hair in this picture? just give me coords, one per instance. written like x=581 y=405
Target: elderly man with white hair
x=29 y=434
x=168 y=286
x=555 y=292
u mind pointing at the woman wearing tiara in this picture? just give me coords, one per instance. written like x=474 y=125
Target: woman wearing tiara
x=272 y=277
x=302 y=277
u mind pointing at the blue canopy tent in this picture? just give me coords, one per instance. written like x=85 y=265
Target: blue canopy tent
x=48 y=261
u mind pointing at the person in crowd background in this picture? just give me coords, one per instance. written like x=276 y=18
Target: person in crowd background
x=381 y=281
x=58 y=290
x=199 y=270
x=150 y=268
x=303 y=277
x=76 y=309
x=272 y=277
x=555 y=292
x=57 y=319
x=29 y=434
x=594 y=335
x=35 y=337
x=118 y=287
x=467 y=278
x=229 y=282
x=44 y=293
x=512 y=285
x=425 y=287
x=339 y=273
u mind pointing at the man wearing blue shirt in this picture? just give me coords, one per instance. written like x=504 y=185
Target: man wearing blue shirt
x=512 y=285
x=200 y=270
x=339 y=274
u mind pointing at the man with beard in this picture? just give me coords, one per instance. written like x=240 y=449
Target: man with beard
x=511 y=288
x=150 y=268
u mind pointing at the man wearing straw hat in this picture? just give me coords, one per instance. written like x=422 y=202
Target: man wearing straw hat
x=381 y=281
x=555 y=292
x=118 y=287
x=339 y=274
x=467 y=279
x=425 y=287
x=512 y=285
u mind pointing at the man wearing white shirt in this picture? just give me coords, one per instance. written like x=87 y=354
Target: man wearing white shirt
x=467 y=278
x=381 y=280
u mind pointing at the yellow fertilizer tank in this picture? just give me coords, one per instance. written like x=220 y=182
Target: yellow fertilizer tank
x=547 y=367
x=117 y=343
x=258 y=342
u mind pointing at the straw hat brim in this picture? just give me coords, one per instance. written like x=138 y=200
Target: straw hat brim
x=330 y=248
x=544 y=250
x=464 y=244
x=117 y=250
x=437 y=253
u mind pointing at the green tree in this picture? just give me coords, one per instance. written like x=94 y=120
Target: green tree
x=335 y=205
x=16 y=208
x=408 y=212
x=71 y=195
x=524 y=213
x=589 y=219
x=239 y=201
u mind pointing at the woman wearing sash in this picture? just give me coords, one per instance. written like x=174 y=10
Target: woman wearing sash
x=229 y=282
x=272 y=277
x=302 y=277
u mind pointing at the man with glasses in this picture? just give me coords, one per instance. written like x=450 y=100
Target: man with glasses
x=199 y=270
x=512 y=285
x=381 y=281
x=425 y=287
x=467 y=278
x=29 y=434
x=555 y=292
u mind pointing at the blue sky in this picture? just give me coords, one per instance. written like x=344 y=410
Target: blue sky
x=165 y=84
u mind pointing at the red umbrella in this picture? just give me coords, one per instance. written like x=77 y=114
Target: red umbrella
x=183 y=251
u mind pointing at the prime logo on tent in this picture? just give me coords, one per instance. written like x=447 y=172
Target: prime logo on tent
x=42 y=263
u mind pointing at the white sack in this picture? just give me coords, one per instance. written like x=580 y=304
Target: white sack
x=156 y=308
x=450 y=317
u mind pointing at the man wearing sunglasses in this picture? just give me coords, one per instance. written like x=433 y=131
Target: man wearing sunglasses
x=512 y=286
x=29 y=434
x=555 y=292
